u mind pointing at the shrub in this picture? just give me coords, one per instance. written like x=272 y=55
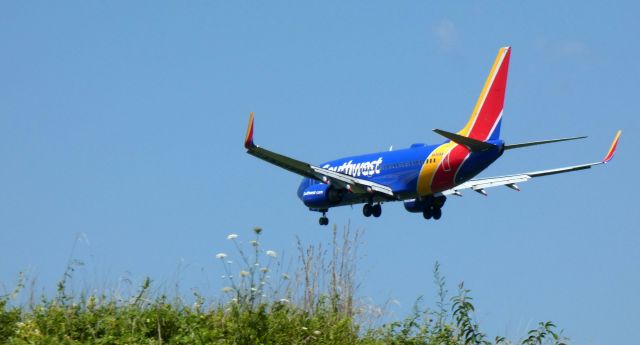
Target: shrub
x=261 y=304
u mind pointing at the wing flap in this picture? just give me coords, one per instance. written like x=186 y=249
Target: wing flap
x=362 y=185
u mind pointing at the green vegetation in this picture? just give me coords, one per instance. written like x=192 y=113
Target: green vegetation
x=262 y=304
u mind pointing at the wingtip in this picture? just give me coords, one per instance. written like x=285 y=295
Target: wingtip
x=612 y=149
x=248 y=140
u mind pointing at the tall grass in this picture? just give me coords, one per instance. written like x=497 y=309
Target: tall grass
x=313 y=300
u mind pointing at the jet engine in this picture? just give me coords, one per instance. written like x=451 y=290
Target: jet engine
x=321 y=195
x=419 y=205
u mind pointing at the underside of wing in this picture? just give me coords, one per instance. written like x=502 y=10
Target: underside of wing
x=340 y=180
x=293 y=165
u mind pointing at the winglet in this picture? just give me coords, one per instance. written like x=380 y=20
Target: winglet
x=612 y=149
x=248 y=140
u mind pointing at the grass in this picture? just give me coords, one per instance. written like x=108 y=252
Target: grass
x=263 y=303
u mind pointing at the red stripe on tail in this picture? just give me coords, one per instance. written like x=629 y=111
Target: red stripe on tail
x=488 y=109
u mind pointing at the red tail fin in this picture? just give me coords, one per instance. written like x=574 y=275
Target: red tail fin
x=485 y=120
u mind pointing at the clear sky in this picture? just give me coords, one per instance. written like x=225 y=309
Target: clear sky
x=123 y=121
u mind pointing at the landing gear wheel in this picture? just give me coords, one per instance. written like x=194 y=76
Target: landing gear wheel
x=427 y=213
x=367 y=210
x=376 y=210
x=323 y=220
x=437 y=213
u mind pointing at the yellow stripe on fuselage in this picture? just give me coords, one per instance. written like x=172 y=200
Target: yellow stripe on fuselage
x=467 y=128
x=430 y=167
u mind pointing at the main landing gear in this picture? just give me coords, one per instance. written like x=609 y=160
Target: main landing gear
x=369 y=210
x=323 y=220
x=432 y=211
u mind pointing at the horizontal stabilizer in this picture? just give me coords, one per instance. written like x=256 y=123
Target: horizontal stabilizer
x=472 y=144
x=479 y=185
x=532 y=143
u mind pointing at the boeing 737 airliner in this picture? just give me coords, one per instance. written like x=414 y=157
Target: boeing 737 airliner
x=422 y=175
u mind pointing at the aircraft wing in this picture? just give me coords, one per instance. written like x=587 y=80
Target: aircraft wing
x=351 y=183
x=344 y=181
x=479 y=185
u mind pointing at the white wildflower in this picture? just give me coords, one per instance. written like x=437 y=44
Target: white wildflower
x=285 y=276
x=227 y=289
x=229 y=262
x=221 y=256
x=255 y=243
x=284 y=300
x=264 y=270
x=244 y=273
x=304 y=328
x=91 y=303
x=316 y=332
x=271 y=253
x=254 y=289
x=232 y=236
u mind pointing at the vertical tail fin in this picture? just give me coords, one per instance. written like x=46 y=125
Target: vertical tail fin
x=486 y=118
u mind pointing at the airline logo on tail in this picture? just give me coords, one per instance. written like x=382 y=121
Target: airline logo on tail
x=484 y=124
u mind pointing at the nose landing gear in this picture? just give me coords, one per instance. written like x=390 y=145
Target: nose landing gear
x=323 y=220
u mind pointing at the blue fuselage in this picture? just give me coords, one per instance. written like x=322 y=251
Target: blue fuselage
x=402 y=170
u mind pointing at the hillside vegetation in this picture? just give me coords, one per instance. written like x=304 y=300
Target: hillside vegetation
x=315 y=302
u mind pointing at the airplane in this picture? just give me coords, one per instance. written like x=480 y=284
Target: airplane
x=422 y=176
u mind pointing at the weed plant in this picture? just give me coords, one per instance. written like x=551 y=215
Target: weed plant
x=262 y=303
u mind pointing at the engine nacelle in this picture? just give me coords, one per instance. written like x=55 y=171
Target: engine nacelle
x=415 y=205
x=321 y=195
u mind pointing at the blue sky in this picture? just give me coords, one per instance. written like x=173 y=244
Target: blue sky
x=124 y=122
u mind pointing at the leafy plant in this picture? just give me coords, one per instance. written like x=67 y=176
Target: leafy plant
x=261 y=304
